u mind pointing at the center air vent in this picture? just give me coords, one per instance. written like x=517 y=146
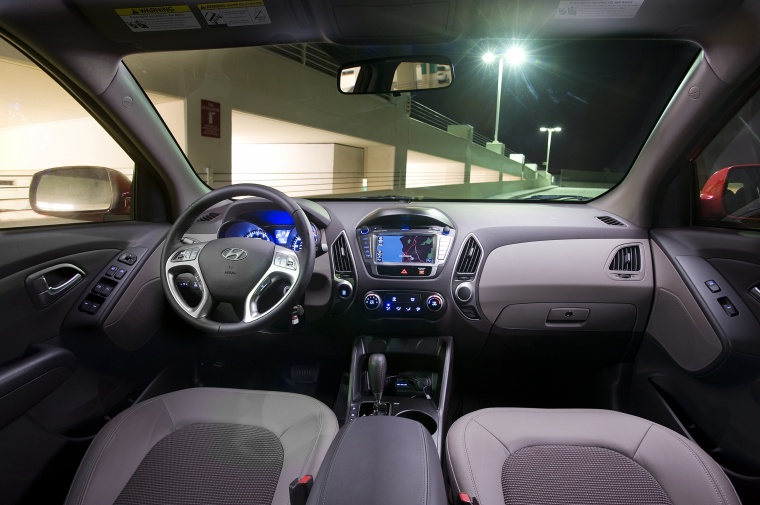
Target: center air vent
x=463 y=285
x=626 y=262
x=341 y=255
x=469 y=258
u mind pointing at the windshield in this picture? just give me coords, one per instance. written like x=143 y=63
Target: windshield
x=538 y=121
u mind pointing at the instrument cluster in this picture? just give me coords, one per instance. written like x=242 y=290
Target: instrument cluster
x=283 y=235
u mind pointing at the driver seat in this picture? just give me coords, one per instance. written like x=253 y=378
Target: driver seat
x=205 y=446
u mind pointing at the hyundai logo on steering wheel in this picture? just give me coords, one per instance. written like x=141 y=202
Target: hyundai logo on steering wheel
x=234 y=253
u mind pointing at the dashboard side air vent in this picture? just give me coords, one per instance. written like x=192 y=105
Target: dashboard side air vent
x=627 y=259
x=610 y=221
x=469 y=257
x=208 y=217
x=626 y=263
x=341 y=255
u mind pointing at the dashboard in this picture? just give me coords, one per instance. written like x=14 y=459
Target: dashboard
x=525 y=272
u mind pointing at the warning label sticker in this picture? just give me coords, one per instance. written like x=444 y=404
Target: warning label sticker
x=159 y=19
x=597 y=9
x=245 y=13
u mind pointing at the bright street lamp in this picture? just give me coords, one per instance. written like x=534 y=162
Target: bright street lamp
x=515 y=55
x=549 y=145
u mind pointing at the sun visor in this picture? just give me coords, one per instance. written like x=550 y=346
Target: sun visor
x=161 y=25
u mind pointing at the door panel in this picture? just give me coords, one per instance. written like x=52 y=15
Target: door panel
x=61 y=373
x=700 y=373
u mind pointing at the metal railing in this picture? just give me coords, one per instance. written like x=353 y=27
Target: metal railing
x=314 y=57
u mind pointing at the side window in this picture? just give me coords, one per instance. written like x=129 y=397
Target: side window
x=728 y=173
x=57 y=164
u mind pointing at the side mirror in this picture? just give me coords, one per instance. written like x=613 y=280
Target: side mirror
x=81 y=192
x=732 y=194
x=389 y=75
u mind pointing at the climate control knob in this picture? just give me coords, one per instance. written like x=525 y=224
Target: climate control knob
x=372 y=301
x=434 y=303
x=463 y=292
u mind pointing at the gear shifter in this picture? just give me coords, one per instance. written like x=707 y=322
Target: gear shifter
x=377 y=367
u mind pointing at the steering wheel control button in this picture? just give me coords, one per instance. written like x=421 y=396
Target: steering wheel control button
x=434 y=303
x=345 y=290
x=713 y=286
x=284 y=260
x=186 y=254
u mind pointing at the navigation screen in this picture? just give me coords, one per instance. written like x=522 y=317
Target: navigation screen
x=405 y=249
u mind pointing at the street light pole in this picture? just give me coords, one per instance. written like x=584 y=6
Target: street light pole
x=549 y=145
x=498 y=99
x=515 y=56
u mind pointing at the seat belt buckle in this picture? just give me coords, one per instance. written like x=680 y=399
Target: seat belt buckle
x=465 y=499
x=299 y=490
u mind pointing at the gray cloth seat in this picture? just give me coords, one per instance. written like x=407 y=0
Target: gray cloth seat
x=205 y=446
x=512 y=455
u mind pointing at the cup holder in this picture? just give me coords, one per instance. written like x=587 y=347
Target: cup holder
x=428 y=422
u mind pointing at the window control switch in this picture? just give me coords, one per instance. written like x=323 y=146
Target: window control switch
x=712 y=286
x=729 y=307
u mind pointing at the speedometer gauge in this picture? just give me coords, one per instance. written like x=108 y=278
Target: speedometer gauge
x=238 y=228
x=258 y=233
x=296 y=243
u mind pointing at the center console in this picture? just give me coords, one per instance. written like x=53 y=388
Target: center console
x=412 y=376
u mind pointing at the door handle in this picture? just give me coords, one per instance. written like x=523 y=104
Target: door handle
x=62 y=287
x=63 y=277
x=755 y=291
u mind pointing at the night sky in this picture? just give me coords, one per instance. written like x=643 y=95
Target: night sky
x=605 y=95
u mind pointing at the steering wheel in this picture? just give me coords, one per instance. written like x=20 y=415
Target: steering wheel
x=236 y=270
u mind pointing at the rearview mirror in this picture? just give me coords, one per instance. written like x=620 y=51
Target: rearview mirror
x=732 y=194
x=388 y=75
x=81 y=192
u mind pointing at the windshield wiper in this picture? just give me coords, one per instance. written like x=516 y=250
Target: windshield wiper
x=559 y=197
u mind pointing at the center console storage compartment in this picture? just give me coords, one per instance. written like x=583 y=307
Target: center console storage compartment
x=380 y=460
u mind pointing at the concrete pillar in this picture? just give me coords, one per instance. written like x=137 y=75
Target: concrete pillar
x=496 y=147
x=210 y=156
x=399 y=167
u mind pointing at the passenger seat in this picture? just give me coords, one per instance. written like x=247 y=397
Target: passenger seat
x=536 y=456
